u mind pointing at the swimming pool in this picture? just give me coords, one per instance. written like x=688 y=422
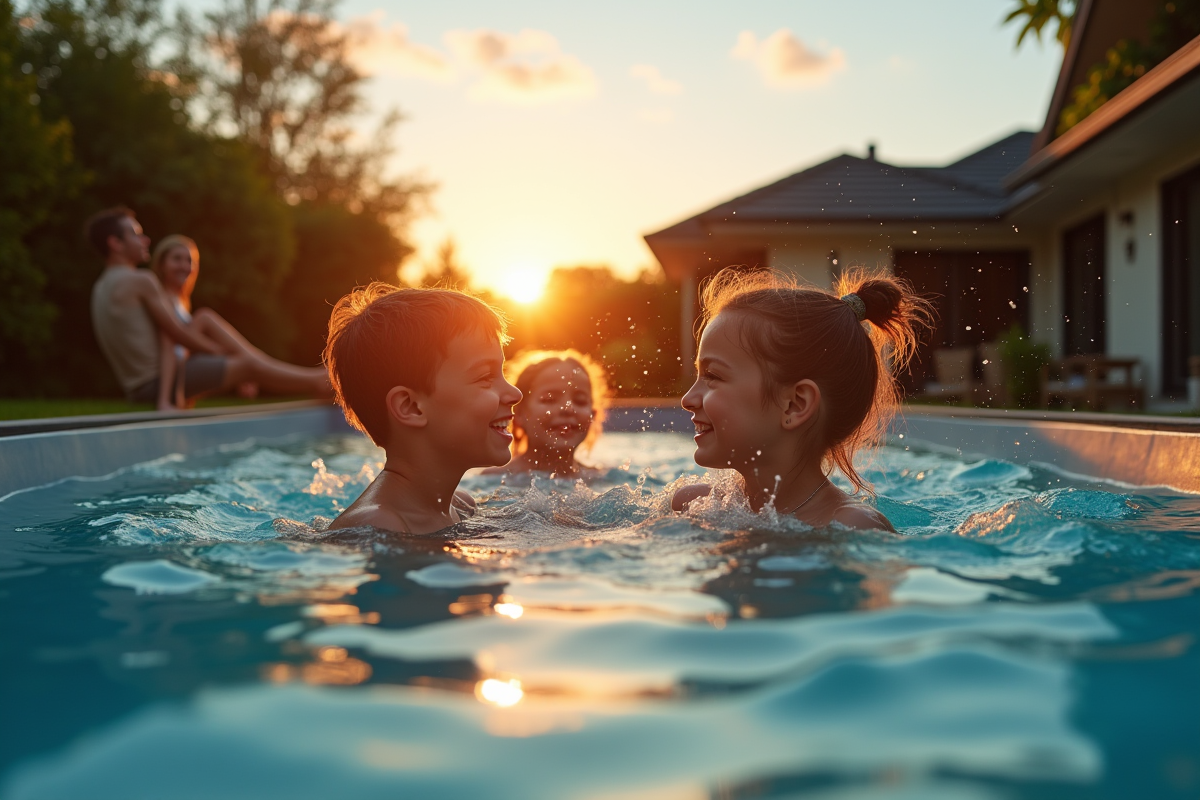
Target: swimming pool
x=1026 y=634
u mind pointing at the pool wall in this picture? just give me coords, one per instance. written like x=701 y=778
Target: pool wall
x=1141 y=451
x=35 y=459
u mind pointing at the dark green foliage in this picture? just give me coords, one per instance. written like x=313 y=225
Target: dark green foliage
x=1175 y=24
x=632 y=327
x=1023 y=362
x=1036 y=14
x=336 y=250
x=109 y=128
x=38 y=170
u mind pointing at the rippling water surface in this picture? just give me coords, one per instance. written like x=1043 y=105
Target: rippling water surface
x=186 y=629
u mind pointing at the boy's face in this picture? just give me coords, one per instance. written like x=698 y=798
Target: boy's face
x=733 y=429
x=470 y=407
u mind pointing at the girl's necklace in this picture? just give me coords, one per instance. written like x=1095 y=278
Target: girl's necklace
x=820 y=486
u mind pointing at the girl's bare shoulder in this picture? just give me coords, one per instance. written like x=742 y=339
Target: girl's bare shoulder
x=860 y=516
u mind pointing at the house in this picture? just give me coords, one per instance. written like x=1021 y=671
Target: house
x=1089 y=238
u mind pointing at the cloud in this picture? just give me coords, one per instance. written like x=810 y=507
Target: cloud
x=785 y=61
x=377 y=49
x=655 y=81
x=527 y=67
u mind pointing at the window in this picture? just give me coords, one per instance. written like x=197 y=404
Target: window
x=1083 y=288
x=1181 y=278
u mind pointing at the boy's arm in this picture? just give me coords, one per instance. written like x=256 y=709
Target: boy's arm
x=167 y=372
x=151 y=296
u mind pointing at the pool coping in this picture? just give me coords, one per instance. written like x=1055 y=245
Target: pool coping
x=1163 y=452
x=32 y=460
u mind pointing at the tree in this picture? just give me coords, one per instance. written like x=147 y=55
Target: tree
x=38 y=169
x=446 y=270
x=1174 y=24
x=336 y=250
x=632 y=327
x=132 y=138
x=279 y=77
x=1037 y=14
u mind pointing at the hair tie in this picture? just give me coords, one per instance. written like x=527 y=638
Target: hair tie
x=855 y=302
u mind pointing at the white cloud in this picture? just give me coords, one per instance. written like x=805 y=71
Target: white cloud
x=527 y=67
x=377 y=49
x=655 y=81
x=785 y=61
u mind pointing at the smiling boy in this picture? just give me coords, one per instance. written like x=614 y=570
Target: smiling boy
x=421 y=372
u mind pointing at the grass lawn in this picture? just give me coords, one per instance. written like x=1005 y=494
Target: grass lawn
x=25 y=408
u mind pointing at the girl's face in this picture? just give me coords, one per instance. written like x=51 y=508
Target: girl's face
x=733 y=428
x=557 y=413
x=178 y=270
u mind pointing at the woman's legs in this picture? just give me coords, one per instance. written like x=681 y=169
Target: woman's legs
x=245 y=363
x=275 y=376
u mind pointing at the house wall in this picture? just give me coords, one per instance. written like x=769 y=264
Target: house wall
x=1133 y=286
x=1045 y=291
x=808 y=258
x=808 y=255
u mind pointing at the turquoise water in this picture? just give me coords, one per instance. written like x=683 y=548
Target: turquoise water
x=181 y=630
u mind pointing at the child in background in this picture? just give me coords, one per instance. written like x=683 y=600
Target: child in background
x=563 y=410
x=793 y=381
x=421 y=372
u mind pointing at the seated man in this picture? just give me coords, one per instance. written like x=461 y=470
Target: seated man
x=130 y=309
x=420 y=371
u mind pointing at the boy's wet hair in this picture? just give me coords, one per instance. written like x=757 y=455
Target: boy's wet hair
x=797 y=332
x=525 y=368
x=104 y=224
x=381 y=336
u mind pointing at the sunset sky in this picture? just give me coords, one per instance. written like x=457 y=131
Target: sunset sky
x=559 y=133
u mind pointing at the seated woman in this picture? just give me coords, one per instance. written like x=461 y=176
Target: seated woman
x=184 y=376
x=563 y=410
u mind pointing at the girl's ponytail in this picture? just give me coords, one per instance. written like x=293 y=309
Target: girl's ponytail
x=896 y=312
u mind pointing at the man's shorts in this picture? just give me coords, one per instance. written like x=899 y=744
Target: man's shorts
x=202 y=373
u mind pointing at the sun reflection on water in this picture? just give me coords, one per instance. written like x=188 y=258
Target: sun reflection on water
x=510 y=610
x=499 y=693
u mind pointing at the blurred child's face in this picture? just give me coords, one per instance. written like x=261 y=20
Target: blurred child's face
x=733 y=429
x=557 y=413
x=470 y=407
x=177 y=269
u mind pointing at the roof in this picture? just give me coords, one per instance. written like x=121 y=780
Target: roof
x=848 y=188
x=1180 y=69
x=1099 y=24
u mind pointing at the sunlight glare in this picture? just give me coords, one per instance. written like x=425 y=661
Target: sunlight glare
x=510 y=610
x=501 y=693
x=524 y=284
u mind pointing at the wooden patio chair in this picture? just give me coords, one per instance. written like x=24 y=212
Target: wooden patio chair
x=954 y=368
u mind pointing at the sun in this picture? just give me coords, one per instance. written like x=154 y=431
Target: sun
x=524 y=284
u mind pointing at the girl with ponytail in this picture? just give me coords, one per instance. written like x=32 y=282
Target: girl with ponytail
x=792 y=381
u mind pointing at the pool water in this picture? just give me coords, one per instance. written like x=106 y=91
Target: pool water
x=182 y=629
